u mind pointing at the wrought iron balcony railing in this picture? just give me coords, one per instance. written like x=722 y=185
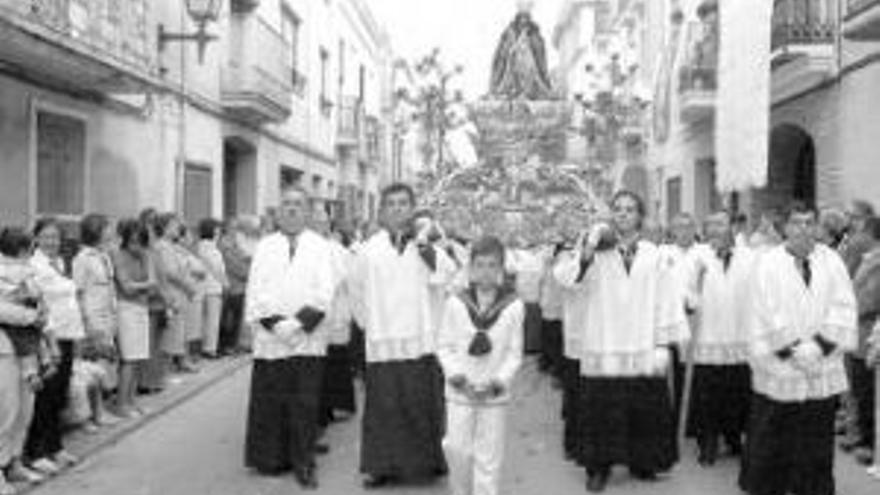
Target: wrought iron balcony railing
x=803 y=22
x=109 y=29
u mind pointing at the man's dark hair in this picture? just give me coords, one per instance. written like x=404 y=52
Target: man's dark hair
x=131 y=231
x=798 y=207
x=398 y=188
x=91 y=229
x=488 y=246
x=15 y=241
x=208 y=228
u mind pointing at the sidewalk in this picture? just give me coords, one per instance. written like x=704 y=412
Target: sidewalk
x=183 y=388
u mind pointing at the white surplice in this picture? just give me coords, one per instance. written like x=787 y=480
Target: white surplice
x=396 y=298
x=786 y=310
x=722 y=305
x=282 y=285
x=626 y=316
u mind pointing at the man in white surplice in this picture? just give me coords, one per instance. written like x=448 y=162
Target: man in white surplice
x=803 y=321
x=396 y=277
x=290 y=289
x=632 y=316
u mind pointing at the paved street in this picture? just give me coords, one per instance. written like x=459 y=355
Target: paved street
x=196 y=449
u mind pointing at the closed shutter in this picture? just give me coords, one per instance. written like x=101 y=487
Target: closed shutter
x=61 y=155
x=197 y=183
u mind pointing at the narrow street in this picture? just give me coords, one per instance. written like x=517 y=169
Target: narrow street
x=196 y=449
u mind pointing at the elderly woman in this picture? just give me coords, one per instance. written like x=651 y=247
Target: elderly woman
x=96 y=290
x=136 y=283
x=237 y=262
x=179 y=289
x=44 y=446
x=214 y=284
x=195 y=269
x=21 y=325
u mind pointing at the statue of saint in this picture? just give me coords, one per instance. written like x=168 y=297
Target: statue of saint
x=519 y=67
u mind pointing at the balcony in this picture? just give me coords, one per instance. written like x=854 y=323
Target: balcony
x=862 y=21
x=802 y=45
x=87 y=46
x=698 y=75
x=256 y=84
x=349 y=125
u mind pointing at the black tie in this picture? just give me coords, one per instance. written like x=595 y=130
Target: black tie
x=627 y=254
x=292 y=249
x=806 y=272
x=725 y=255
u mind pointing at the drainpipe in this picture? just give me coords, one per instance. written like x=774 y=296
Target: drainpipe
x=838 y=38
x=180 y=161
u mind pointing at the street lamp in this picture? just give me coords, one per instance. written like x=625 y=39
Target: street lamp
x=201 y=12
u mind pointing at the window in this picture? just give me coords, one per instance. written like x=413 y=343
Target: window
x=60 y=164
x=324 y=103
x=341 y=63
x=362 y=82
x=673 y=198
x=197 y=189
x=290 y=30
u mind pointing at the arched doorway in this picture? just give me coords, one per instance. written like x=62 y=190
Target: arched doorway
x=791 y=173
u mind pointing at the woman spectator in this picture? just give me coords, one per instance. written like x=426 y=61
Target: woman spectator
x=135 y=284
x=179 y=289
x=44 y=447
x=215 y=283
x=21 y=324
x=196 y=271
x=237 y=263
x=151 y=374
x=96 y=290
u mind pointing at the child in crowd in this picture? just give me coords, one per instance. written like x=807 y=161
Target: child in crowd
x=480 y=348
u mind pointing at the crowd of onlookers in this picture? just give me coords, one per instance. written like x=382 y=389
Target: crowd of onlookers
x=107 y=311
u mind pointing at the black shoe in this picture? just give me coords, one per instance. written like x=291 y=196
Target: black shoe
x=596 y=482
x=708 y=452
x=734 y=447
x=321 y=448
x=643 y=474
x=373 y=482
x=306 y=478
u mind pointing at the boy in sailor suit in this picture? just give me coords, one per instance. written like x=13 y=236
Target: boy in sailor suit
x=480 y=348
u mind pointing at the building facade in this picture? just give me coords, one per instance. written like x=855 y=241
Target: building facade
x=823 y=88
x=96 y=115
x=606 y=51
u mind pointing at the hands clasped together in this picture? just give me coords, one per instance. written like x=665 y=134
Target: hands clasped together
x=475 y=391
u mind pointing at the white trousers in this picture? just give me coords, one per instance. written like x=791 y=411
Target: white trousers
x=474 y=447
x=213 y=306
x=16 y=407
